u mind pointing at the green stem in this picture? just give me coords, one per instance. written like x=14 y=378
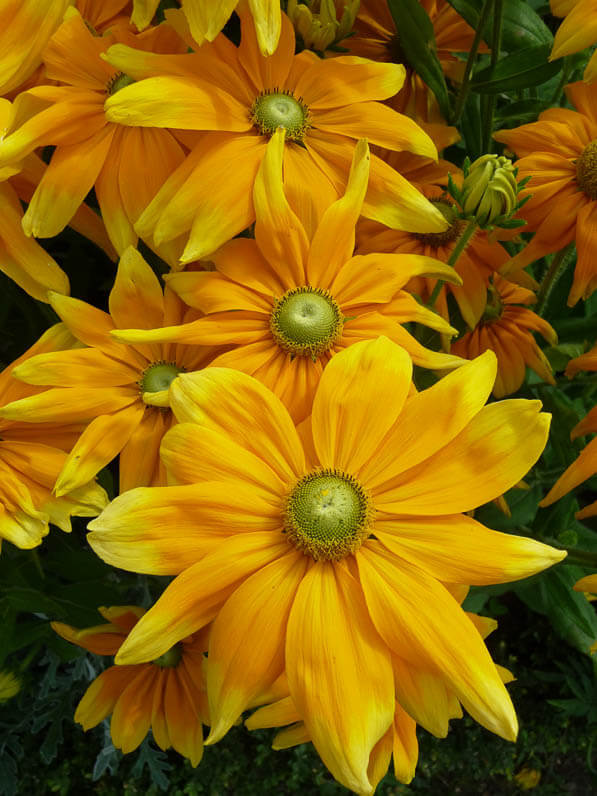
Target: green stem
x=470 y=61
x=554 y=272
x=582 y=558
x=555 y=99
x=37 y=562
x=496 y=40
x=456 y=252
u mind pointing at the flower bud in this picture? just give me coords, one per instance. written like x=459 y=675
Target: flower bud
x=489 y=192
x=10 y=685
x=322 y=23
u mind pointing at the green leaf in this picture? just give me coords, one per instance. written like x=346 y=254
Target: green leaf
x=528 y=67
x=417 y=40
x=516 y=113
x=571 y=615
x=521 y=25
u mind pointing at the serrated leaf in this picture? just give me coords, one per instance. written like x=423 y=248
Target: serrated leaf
x=522 y=69
x=417 y=40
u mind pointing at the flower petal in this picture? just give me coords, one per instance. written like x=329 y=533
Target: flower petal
x=102 y=695
x=131 y=718
x=348 y=79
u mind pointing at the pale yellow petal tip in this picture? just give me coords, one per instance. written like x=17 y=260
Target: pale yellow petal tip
x=160 y=398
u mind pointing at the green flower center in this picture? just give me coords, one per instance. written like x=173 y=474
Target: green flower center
x=586 y=170
x=273 y=109
x=170 y=659
x=120 y=80
x=306 y=321
x=158 y=376
x=437 y=239
x=328 y=515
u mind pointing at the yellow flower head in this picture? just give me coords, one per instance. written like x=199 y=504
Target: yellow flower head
x=239 y=98
x=32 y=457
x=559 y=154
x=119 y=391
x=166 y=695
x=330 y=543
x=506 y=328
x=585 y=465
x=286 y=306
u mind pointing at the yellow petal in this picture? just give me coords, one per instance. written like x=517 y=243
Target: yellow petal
x=103 y=693
x=131 y=717
x=136 y=299
x=582 y=468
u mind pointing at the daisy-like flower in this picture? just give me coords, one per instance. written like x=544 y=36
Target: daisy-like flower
x=328 y=543
x=577 y=32
x=32 y=457
x=376 y=37
x=206 y=18
x=586 y=464
x=166 y=695
x=286 y=305
x=239 y=98
x=559 y=153
x=119 y=390
x=506 y=328
x=126 y=165
x=421 y=697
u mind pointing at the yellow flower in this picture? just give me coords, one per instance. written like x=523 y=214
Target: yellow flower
x=559 y=153
x=125 y=165
x=577 y=31
x=587 y=584
x=328 y=542
x=586 y=464
x=284 y=306
x=506 y=329
x=10 y=685
x=206 y=18
x=528 y=778
x=239 y=98
x=120 y=391
x=167 y=694
x=32 y=457
x=420 y=694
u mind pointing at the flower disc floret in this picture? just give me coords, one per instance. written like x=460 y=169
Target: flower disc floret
x=171 y=658
x=437 y=239
x=273 y=109
x=328 y=515
x=120 y=80
x=586 y=170
x=306 y=321
x=158 y=376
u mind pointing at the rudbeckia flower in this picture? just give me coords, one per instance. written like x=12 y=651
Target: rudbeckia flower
x=376 y=37
x=119 y=390
x=286 y=305
x=586 y=464
x=577 y=32
x=239 y=98
x=419 y=693
x=125 y=165
x=31 y=457
x=206 y=18
x=328 y=543
x=559 y=153
x=166 y=695
x=506 y=328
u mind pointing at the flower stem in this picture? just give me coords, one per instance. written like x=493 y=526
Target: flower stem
x=461 y=245
x=555 y=271
x=498 y=7
x=582 y=558
x=470 y=61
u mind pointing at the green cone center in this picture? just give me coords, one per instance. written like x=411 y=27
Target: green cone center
x=327 y=515
x=306 y=321
x=586 y=170
x=275 y=109
x=120 y=80
x=159 y=376
x=171 y=658
x=437 y=239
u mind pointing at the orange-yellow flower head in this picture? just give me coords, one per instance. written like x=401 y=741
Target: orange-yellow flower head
x=506 y=329
x=558 y=153
x=330 y=543
x=285 y=305
x=585 y=465
x=166 y=695
x=238 y=98
x=577 y=32
x=31 y=458
x=119 y=391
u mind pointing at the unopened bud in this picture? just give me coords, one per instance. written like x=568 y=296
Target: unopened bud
x=489 y=192
x=322 y=23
